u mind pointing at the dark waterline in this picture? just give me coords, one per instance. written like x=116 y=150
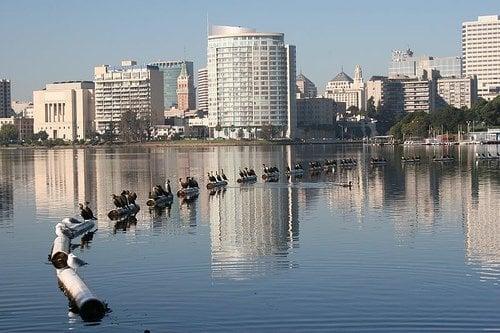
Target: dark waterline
x=408 y=248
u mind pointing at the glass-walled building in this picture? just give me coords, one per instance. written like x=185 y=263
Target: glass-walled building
x=251 y=82
x=171 y=71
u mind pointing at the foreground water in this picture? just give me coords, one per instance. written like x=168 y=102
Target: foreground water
x=408 y=248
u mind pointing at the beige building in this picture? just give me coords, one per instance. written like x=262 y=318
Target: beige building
x=202 y=90
x=342 y=88
x=127 y=88
x=481 y=53
x=456 y=92
x=305 y=87
x=65 y=110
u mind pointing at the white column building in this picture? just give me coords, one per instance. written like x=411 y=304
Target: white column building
x=65 y=110
x=251 y=81
x=481 y=54
x=202 y=90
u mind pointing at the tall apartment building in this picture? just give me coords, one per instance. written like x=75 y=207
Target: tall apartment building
x=171 y=71
x=419 y=94
x=404 y=63
x=202 y=90
x=481 y=53
x=5 y=98
x=124 y=88
x=342 y=88
x=251 y=81
x=305 y=87
x=456 y=92
x=65 y=110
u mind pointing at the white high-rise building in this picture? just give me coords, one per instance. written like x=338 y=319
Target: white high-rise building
x=481 y=53
x=251 y=81
x=202 y=90
x=127 y=88
x=65 y=110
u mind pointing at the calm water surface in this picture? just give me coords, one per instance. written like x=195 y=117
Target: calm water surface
x=409 y=248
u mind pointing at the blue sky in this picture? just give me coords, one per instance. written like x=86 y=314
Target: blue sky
x=45 y=41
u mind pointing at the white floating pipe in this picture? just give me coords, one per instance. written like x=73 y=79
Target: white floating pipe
x=60 y=251
x=73 y=228
x=89 y=307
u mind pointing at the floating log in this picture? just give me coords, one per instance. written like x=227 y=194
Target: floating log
x=212 y=185
x=131 y=209
x=252 y=178
x=295 y=172
x=270 y=175
x=188 y=192
x=160 y=201
x=60 y=251
x=90 y=308
x=72 y=228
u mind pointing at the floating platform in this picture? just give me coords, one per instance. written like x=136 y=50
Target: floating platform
x=216 y=184
x=121 y=212
x=188 y=192
x=247 y=179
x=161 y=201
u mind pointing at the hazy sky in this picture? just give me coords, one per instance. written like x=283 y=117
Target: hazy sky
x=45 y=41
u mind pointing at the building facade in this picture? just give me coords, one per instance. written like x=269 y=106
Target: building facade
x=404 y=63
x=456 y=92
x=481 y=54
x=305 y=87
x=5 y=98
x=251 y=81
x=171 y=71
x=316 y=112
x=184 y=93
x=127 y=88
x=65 y=110
x=202 y=90
x=23 y=125
x=342 y=88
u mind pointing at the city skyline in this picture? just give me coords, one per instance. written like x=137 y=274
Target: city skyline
x=335 y=35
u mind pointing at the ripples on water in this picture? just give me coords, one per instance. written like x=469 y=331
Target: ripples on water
x=409 y=248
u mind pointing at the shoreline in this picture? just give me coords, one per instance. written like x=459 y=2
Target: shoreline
x=185 y=144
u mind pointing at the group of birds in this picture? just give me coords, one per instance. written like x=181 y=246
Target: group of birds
x=378 y=160
x=411 y=158
x=245 y=173
x=217 y=178
x=124 y=199
x=158 y=191
x=297 y=166
x=268 y=170
x=189 y=183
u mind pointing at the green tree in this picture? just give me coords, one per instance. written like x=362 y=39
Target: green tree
x=8 y=134
x=130 y=126
x=42 y=136
x=371 y=110
x=267 y=131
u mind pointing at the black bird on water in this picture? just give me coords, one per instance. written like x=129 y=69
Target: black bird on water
x=117 y=201
x=223 y=175
x=85 y=212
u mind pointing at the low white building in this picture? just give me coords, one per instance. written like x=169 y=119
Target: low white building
x=65 y=110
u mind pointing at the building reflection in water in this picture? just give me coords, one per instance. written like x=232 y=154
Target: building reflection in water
x=253 y=227
x=6 y=189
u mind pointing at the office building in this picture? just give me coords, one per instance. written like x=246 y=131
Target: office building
x=251 y=81
x=202 y=90
x=65 y=110
x=316 y=112
x=127 y=88
x=456 y=92
x=404 y=63
x=305 y=87
x=5 y=108
x=481 y=54
x=342 y=88
x=171 y=71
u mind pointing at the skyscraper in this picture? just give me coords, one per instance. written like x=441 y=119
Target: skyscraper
x=202 y=90
x=5 y=108
x=171 y=71
x=251 y=81
x=481 y=53
x=127 y=88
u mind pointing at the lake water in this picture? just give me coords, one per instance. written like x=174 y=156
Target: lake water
x=408 y=248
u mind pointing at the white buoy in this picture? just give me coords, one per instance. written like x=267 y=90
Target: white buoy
x=90 y=308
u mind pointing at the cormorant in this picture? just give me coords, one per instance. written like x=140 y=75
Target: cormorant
x=223 y=175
